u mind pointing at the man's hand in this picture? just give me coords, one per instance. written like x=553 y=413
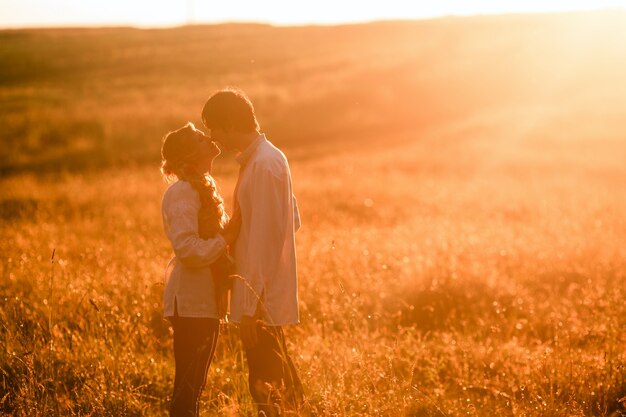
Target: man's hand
x=247 y=330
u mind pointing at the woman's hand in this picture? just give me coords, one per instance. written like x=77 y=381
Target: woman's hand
x=231 y=231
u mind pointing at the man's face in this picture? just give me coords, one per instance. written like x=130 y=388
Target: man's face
x=222 y=137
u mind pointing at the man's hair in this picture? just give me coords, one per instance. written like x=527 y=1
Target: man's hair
x=230 y=109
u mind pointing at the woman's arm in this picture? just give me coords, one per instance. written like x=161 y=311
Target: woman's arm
x=182 y=231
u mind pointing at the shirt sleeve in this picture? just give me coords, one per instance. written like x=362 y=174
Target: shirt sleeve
x=271 y=214
x=296 y=215
x=182 y=231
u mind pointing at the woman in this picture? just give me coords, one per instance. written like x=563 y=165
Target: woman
x=194 y=222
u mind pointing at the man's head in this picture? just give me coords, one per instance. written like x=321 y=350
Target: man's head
x=229 y=115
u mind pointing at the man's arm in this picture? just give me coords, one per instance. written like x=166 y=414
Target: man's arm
x=271 y=203
x=271 y=206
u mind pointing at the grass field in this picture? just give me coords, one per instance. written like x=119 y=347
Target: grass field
x=462 y=188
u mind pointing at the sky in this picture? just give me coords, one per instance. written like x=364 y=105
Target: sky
x=165 y=13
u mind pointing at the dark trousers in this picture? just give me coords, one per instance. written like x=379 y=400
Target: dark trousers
x=273 y=381
x=194 y=345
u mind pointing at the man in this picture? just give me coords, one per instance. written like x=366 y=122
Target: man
x=266 y=296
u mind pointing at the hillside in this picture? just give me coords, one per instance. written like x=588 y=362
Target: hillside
x=95 y=97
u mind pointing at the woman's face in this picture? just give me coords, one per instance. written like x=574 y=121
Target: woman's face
x=208 y=150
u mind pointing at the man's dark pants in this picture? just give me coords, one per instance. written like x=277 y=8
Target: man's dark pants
x=273 y=381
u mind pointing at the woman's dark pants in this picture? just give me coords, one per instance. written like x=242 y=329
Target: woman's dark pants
x=194 y=345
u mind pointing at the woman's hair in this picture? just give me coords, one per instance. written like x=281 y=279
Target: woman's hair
x=179 y=154
x=230 y=109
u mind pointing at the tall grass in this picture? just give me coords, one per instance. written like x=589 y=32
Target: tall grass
x=435 y=279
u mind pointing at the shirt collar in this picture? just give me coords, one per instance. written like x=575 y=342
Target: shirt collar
x=244 y=157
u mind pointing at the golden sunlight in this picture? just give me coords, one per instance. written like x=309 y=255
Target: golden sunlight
x=406 y=217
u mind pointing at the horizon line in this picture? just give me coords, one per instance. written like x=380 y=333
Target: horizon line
x=130 y=25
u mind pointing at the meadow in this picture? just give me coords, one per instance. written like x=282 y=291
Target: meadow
x=462 y=189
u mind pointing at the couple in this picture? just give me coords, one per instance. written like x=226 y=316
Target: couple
x=260 y=237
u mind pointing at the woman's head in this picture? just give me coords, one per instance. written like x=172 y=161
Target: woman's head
x=187 y=151
x=187 y=154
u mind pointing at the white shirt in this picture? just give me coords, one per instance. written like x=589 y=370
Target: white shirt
x=188 y=280
x=265 y=250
